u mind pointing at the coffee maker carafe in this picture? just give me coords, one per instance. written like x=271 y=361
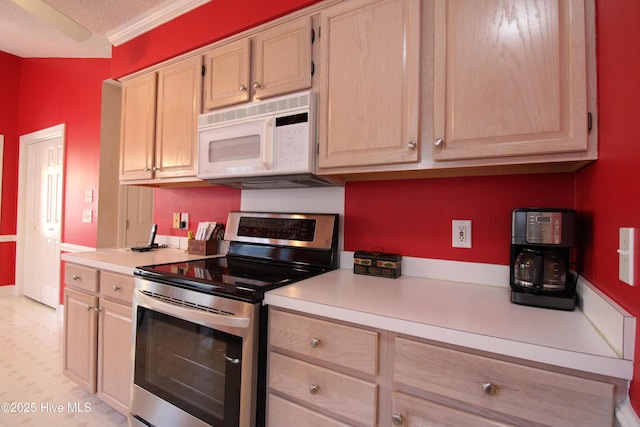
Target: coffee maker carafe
x=542 y=240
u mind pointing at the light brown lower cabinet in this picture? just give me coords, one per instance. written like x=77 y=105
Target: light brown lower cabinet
x=97 y=333
x=417 y=383
x=114 y=355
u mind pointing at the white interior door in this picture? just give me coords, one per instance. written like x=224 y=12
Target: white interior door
x=42 y=220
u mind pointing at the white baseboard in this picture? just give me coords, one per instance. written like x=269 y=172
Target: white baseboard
x=626 y=416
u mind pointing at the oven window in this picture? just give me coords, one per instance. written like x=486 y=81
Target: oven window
x=193 y=367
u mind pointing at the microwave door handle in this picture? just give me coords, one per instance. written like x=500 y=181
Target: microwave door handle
x=267 y=153
x=196 y=316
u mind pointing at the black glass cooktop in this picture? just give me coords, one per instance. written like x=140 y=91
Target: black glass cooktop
x=227 y=276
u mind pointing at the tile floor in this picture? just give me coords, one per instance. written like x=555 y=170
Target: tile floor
x=33 y=391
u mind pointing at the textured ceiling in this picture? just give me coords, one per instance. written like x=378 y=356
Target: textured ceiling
x=25 y=35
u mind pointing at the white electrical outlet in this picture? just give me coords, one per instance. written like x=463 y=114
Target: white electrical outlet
x=626 y=255
x=87 y=216
x=461 y=233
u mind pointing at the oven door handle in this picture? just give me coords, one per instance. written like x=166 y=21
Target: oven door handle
x=193 y=315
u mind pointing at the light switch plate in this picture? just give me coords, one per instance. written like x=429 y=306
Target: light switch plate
x=88 y=196
x=626 y=255
x=184 y=220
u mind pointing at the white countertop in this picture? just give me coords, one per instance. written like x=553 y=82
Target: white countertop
x=124 y=261
x=469 y=315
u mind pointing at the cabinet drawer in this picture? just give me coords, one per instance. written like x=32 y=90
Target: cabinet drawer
x=421 y=412
x=118 y=286
x=339 y=344
x=530 y=393
x=81 y=277
x=338 y=393
x=285 y=413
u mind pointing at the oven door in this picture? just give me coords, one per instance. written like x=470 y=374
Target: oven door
x=195 y=358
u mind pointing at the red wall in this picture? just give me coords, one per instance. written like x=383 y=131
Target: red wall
x=608 y=191
x=413 y=217
x=9 y=79
x=54 y=91
x=202 y=204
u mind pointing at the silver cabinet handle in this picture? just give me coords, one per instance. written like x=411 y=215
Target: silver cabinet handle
x=155 y=168
x=243 y=88
x=97 y=310
x=489 y=388
x=76 y=277
x=89 y=308
x=438 y=142
x=116 y=288
x=412 y=145
x=147 y=169
x=314 y=342
x=314 y=388
x=397 y=419
x=256 y=85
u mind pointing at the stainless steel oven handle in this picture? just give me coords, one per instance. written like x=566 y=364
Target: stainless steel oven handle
x=196 y=316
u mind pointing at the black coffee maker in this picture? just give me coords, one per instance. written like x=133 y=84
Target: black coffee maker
x=542 y=240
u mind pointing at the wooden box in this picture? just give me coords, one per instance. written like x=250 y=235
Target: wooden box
x=203 y=247
x=377 y=264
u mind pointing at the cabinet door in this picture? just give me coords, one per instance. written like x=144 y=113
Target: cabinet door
x=80 y=338
x=114 y=355
x=410 y=411
x=509 y=78
x=179 y=103
x=227 y=75
x=370 y=64
x=137 y=133
x=283 y=59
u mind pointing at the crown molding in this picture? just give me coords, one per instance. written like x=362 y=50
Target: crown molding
x=151 y=19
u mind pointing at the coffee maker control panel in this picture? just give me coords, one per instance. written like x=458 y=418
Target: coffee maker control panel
x=544 y=228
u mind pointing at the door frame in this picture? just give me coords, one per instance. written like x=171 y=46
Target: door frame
x=58 y=131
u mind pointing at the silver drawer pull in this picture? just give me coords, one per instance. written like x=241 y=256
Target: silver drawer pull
x=412 y=145
x=89 y=308
x=314 y=342
x=397 y=419
x=97 y=310
x=489 y=388
x=116 y=288
x=438 y=142
x=314 y=388
x=76 y=277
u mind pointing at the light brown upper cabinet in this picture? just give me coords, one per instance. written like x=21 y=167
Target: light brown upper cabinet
x=510 y=78
x=159 y=123
x=273 y=62
x=369 y=96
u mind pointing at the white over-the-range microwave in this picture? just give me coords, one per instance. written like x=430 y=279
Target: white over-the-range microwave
x=266 y=144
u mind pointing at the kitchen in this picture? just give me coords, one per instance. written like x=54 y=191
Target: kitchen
x=400 y=209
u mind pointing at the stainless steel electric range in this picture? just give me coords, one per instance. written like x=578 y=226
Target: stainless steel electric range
x=199 y=342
